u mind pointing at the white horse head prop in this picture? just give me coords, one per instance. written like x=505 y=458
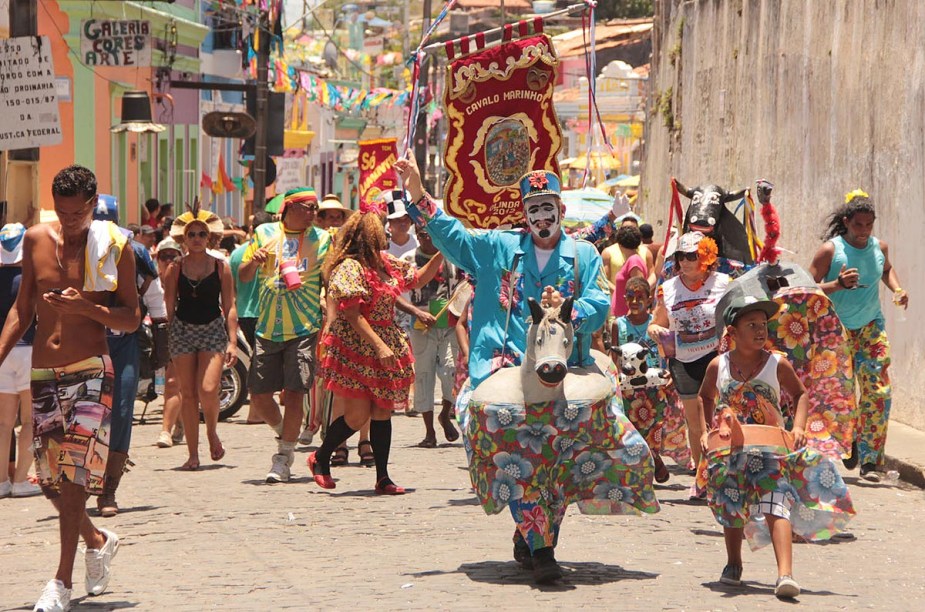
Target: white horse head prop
x=549 y=342
x=635 y=373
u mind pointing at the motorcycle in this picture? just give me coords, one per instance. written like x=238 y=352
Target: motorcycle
x=232 y=390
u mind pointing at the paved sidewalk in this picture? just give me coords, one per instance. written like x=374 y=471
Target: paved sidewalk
x=222 y=539
x=905 y=453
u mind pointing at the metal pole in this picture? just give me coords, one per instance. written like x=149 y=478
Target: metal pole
x=420 y=131
x=262 y=119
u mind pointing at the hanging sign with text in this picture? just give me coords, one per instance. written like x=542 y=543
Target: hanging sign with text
x=28 y=99
x=113 y=42
x=376 y=172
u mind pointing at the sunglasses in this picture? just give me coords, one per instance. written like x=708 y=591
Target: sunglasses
x=199 y=234
x=686 y=256
x=168 y=257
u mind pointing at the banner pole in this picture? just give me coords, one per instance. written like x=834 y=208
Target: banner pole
x=570 y=9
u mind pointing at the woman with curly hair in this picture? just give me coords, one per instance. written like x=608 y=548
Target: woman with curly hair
x=849 y=268
x=199 y=293
x=368 y=361
x=687 y=309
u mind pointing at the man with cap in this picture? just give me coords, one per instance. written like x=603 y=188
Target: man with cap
x=124 y=352
x=15 y=395
x=288 y=318
x=540 y=263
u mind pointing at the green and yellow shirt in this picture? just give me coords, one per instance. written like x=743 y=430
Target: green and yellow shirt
x=285 y=314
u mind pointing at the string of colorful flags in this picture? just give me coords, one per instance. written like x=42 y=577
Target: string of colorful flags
x=285 y=78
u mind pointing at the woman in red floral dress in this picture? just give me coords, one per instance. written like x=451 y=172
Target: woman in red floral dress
x=367 y=365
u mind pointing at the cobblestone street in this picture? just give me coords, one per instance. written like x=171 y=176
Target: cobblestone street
x=222 y=539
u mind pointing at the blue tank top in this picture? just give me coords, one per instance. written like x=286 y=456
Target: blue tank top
x=858 y=307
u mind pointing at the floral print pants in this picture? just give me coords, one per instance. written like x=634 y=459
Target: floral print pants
x=871 y=350
x=538 y=524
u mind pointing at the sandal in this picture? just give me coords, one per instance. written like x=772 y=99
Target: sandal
x=449 y=431
x=427 y=443
x=340 y=456
x=367 y=458
x=387 y=487
x=661 y=471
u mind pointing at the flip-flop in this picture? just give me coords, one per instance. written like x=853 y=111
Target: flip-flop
x=427 y=443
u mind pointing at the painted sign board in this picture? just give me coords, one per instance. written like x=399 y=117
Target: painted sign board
x=28 y=99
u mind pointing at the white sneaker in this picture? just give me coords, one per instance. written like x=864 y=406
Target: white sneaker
x=280 y=470
x=306 y=437
x=55 y=598
x=5 y=488
x=98 y=563
x=164 y=440
x=25 y=489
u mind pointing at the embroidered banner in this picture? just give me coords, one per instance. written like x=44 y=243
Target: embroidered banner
x=376 y=172
x=502 y=123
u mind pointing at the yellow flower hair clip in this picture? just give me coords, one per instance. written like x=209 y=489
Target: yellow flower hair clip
x=857 y=193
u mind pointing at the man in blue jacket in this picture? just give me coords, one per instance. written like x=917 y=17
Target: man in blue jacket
x=508 y=268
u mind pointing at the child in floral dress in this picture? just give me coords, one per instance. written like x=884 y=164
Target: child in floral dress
x=656 y=412
x=761 y=488
x=368 y=360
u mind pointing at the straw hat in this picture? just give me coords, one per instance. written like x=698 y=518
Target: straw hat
x=207 y=218
x=330 y=202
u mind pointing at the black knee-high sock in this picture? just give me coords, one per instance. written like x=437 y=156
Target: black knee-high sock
x=380 y=436
x=338 y=433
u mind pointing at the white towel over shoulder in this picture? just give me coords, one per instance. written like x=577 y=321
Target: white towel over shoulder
x=105 y=244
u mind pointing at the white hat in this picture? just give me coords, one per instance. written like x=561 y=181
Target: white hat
x=395 y=201
x=11 y=243
x=689 y=242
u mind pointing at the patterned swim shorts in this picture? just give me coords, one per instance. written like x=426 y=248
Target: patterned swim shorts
x=71 y=409
x=185 y=338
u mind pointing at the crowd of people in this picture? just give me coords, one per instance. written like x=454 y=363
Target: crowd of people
x=348 y=315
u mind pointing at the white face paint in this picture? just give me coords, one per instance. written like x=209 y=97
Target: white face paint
x=543 y=216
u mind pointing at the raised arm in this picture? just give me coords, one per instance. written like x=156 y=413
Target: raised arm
x=458 y=244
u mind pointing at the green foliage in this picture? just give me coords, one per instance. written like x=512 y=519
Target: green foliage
x=624 y=9
x=663 y=106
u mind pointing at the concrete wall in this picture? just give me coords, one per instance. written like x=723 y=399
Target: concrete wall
x=820 y=97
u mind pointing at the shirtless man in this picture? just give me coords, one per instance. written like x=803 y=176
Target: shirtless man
x=72 y=375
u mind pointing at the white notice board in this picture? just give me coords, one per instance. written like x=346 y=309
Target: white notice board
x=28 y=99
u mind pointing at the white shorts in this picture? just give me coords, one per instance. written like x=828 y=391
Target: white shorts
x=775 y=504
x=16 y=371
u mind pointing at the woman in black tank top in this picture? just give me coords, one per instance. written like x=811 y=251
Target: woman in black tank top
x=199 y=292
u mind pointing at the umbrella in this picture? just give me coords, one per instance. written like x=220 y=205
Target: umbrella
x=585 y=205
x=599 y=161
x=274 y=205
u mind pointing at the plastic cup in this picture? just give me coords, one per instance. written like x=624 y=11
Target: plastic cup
x=289 y=270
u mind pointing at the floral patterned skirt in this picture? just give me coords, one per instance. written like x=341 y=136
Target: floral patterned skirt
x=812 y=337
x=564 y=452
x=736 y=479
x=351 y=369
x=657 y=414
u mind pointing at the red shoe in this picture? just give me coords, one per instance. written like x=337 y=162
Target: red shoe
x=322 y=480
x=390 y=488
